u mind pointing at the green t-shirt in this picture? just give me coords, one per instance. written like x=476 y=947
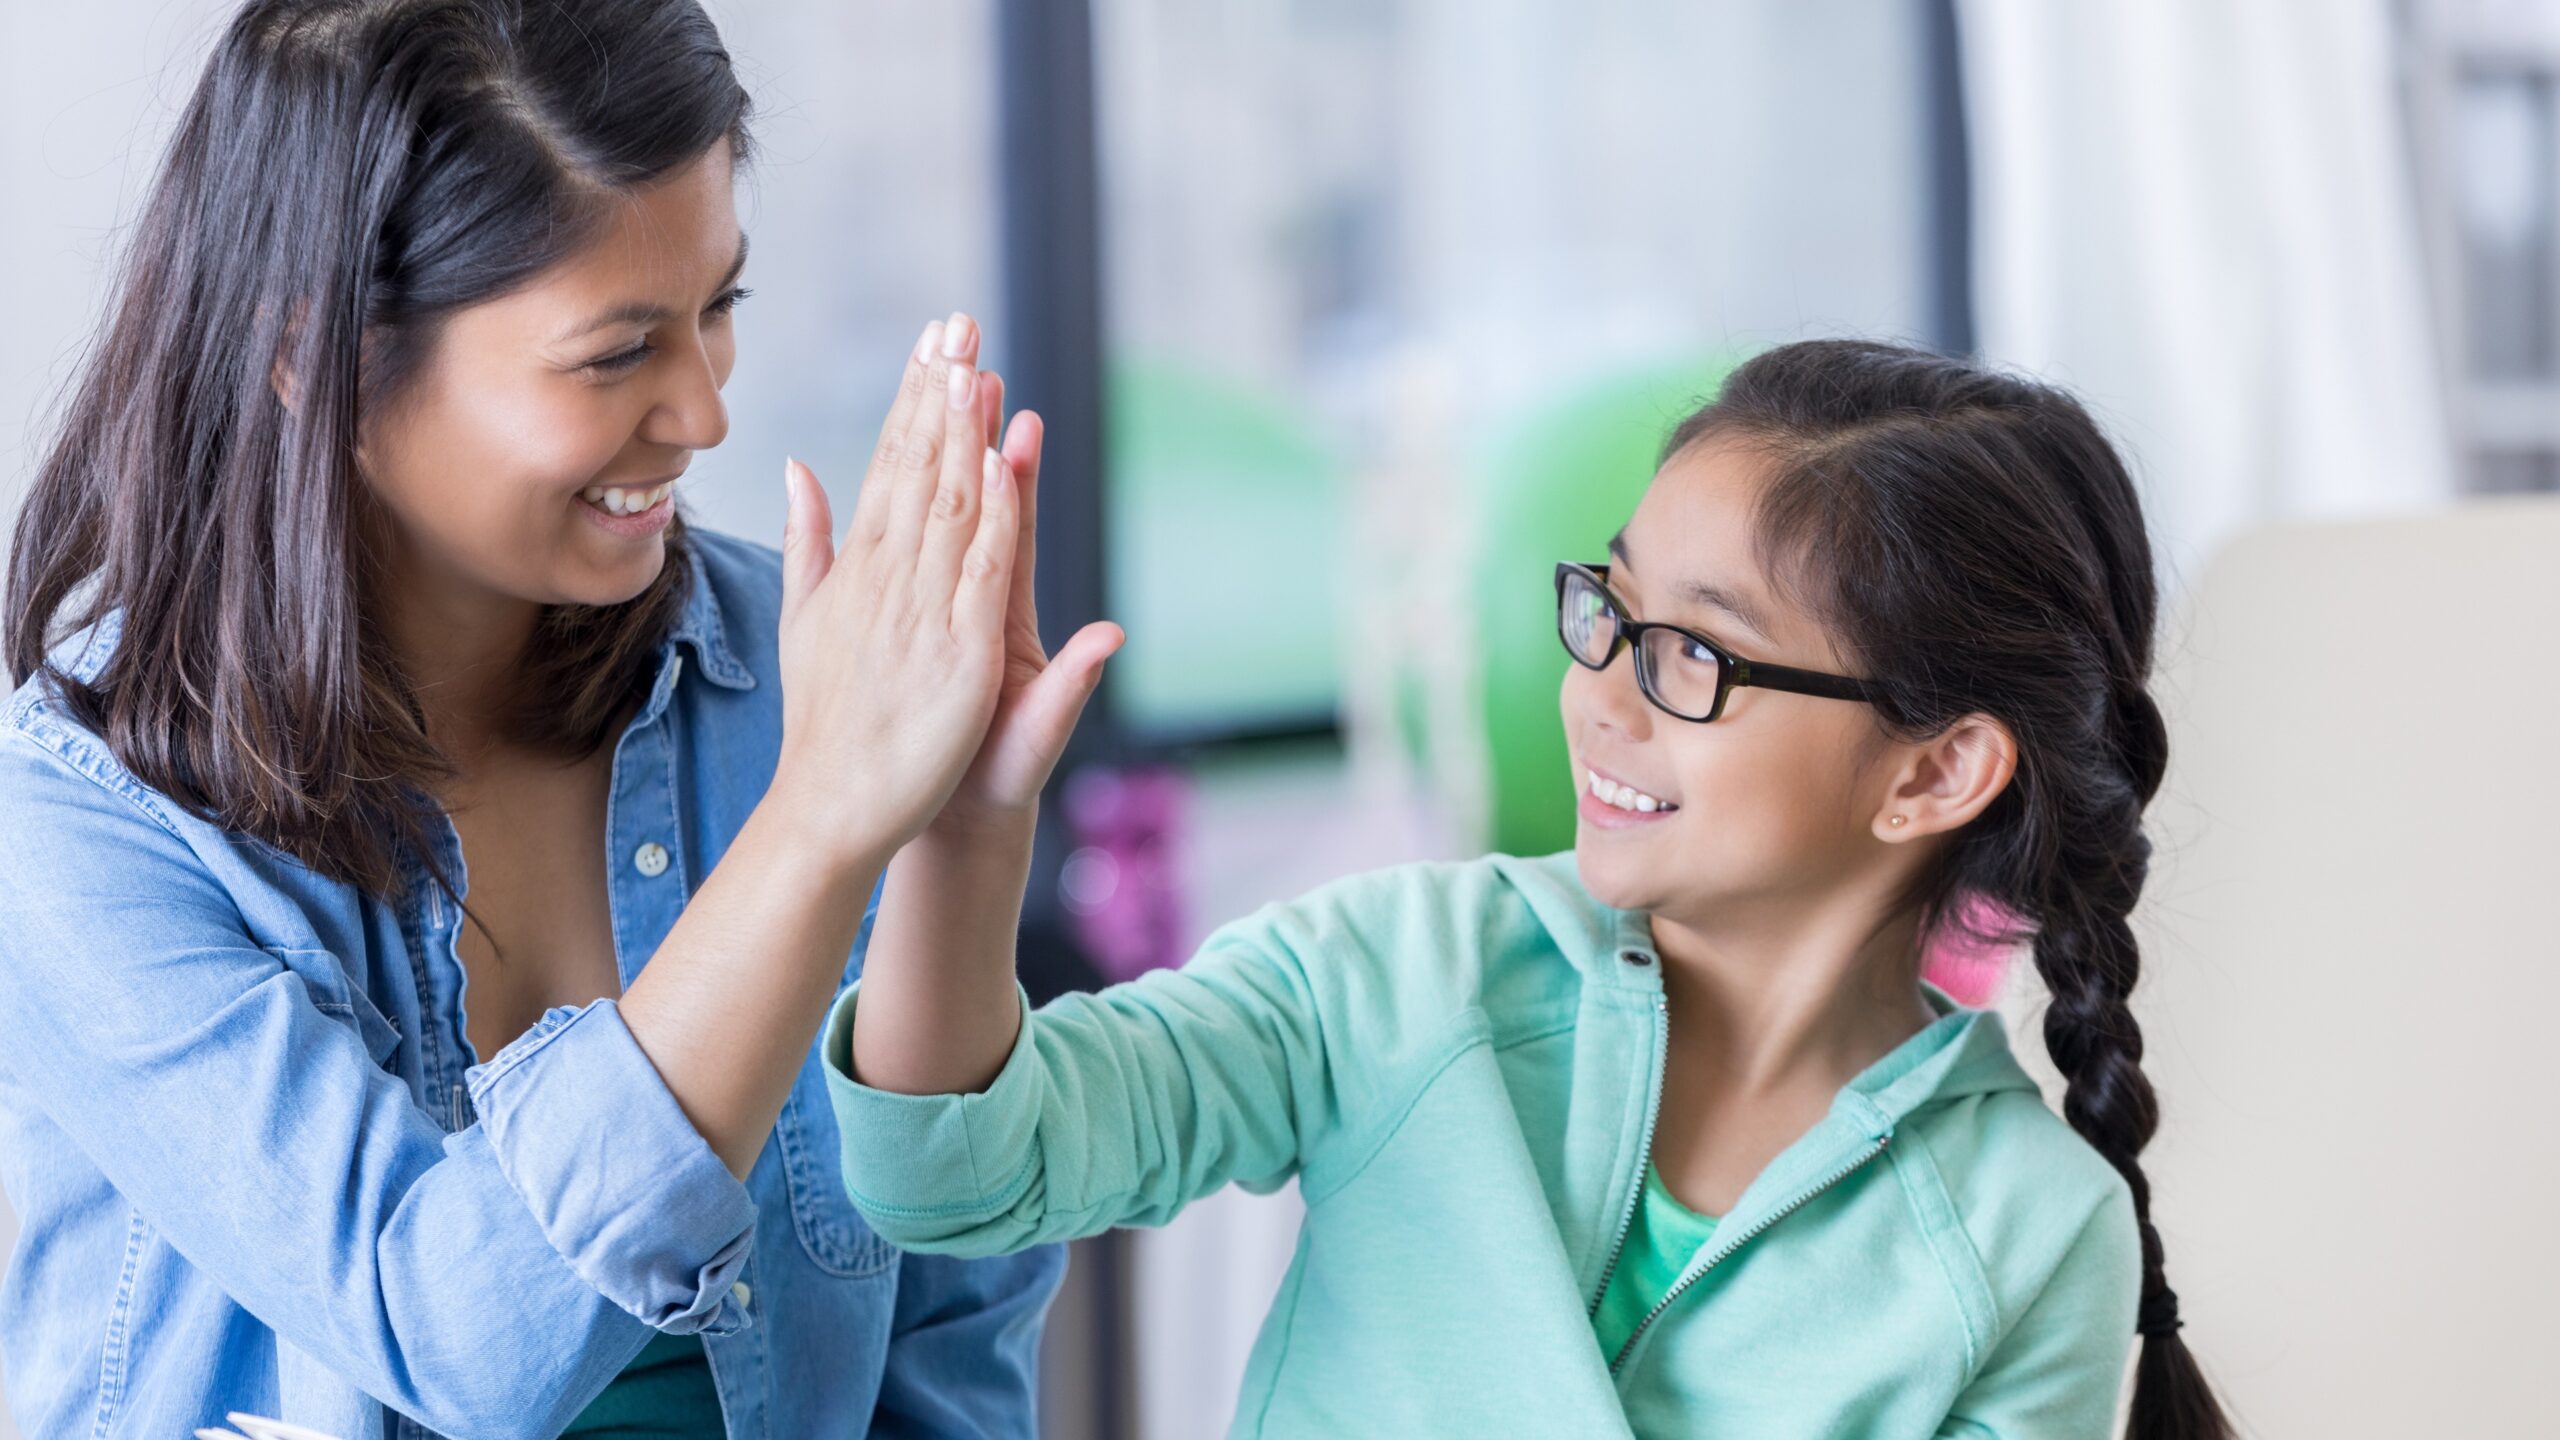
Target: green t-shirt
x=1663 y=1239
x=665 y=1393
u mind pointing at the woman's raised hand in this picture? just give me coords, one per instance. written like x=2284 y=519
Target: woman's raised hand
x=893 y=644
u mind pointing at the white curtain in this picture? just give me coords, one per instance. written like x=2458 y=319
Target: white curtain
x=2197 y=214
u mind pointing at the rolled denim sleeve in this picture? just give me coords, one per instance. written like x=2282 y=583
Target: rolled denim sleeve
x=621 y=1183
x=482 y=1281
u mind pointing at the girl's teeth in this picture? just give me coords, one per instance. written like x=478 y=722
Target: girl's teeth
x=1625 y=797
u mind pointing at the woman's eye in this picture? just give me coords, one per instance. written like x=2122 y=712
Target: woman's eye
x=614 y=364
x=622 y=361
x=1696 y=654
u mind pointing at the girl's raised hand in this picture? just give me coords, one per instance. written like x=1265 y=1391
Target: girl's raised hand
x=1042 y=695
x=893 y=644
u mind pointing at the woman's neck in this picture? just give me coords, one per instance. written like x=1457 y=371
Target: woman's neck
x=461 y=646
x=1770 y=999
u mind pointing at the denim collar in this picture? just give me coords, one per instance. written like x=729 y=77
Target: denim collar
x=702 y=626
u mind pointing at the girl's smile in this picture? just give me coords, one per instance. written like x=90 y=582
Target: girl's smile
x=1613 y=804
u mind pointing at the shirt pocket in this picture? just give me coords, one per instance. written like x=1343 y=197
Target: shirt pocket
x=830 y=1229
x=334 y=994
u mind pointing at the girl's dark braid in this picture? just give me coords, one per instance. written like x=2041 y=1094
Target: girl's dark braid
x=1978 y=547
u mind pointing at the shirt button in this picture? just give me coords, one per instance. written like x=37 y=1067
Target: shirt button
x=742 y=1292
x=650 y=859
x=1635 y=957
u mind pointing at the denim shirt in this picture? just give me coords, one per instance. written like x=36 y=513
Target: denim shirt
x=259 y=1167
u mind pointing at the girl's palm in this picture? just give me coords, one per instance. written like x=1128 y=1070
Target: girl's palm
x=1041 y=696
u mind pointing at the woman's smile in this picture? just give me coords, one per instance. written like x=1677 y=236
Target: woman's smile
x=626 y=510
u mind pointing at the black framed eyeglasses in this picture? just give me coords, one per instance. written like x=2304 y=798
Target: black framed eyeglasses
x=1685 y=674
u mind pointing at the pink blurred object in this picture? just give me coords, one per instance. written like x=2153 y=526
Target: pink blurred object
x=1967 y=968
x=1119 y=884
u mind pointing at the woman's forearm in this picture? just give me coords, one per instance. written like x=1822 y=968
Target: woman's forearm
x=938 y=1014
x=731 y=1002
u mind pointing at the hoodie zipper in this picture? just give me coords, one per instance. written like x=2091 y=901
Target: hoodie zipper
x=1801 y=1199
x=1644 y=1156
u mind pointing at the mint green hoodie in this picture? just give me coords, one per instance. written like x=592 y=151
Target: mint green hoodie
x=1461 y=1066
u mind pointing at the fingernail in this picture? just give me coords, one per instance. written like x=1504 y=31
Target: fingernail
x=930 y=344
x=992 y=470
x=956 y=335
x=964 y=385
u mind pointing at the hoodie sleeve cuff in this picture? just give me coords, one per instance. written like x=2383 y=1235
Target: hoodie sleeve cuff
x=939 y=1157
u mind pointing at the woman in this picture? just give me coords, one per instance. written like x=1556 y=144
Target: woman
x=1665 y=1136
x=430 y=861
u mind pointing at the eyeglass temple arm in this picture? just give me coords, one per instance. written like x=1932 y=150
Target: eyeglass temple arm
x=1801 y=682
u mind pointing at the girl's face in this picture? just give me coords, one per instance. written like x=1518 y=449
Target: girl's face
x=1776 y=800
x=534 y=455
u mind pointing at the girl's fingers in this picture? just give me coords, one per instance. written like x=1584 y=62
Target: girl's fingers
x=808 y=549
x=986 y=567
x=1022 y=443
x=1050 y=708
x=990 y=402
x=939 y=445
x=898 y=434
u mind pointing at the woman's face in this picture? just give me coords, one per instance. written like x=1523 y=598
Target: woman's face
x=1774 y=801
x=534 y=455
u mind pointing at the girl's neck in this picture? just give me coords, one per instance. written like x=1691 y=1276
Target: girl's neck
x=1772 y=999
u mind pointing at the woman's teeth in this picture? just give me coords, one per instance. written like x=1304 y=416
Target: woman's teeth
x=1625 y=797
x=614 y=500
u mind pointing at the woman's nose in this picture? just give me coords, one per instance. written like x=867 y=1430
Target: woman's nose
x=690 y=415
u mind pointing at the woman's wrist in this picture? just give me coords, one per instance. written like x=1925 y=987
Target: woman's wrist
x=798 y=834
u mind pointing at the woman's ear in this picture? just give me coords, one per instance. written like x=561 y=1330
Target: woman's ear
x=280 y=375
x=1945 y=781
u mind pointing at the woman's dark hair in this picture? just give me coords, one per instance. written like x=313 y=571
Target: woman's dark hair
x=1975 y=546
x=347 y=175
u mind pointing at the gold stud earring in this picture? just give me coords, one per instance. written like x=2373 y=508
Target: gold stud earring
x=1896 y=821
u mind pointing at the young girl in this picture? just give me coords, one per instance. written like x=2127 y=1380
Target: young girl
x=1665 y=1136
x=355 y=594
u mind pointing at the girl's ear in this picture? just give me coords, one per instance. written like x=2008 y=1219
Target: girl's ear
x=1945 y=781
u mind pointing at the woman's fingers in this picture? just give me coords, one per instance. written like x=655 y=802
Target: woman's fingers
x=986 y=567
x=898 y=437
x=952 y=517
x=808 y=530
x=939 y=441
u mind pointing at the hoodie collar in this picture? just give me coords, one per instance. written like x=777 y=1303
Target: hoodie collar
x=1962 y=1052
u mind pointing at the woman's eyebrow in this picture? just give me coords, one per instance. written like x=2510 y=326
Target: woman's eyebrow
x=641 y=312
x=1731 y=602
